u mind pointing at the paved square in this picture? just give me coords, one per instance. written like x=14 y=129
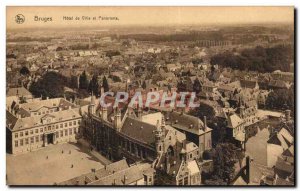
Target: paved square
x=35 y=169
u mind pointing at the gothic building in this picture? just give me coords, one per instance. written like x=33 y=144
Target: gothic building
x=138 y=135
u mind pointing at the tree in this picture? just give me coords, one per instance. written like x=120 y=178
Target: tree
x=83 y=81
x=105 y=84
x=50 y=85
x=24 y=71
x=197 y=86
x=144 y=85
x=224 y=157
x=74 y=82
x=94 y=86
x=281 y=99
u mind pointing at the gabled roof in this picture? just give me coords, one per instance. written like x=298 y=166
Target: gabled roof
x=15 y=123
x=234 y=121
x=186 y=122
x=282 y=138
x=138 y=130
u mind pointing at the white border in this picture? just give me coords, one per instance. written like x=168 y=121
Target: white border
x=5 y=3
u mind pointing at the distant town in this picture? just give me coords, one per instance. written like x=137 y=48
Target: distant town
x=242 y=133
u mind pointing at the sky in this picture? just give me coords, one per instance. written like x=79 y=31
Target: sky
x=152 y=16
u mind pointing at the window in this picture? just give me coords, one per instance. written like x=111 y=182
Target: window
x=37 y=139
x=66 y=132
x=186 y=181
x=191 y=155
x=61 y=133
x=66 y=124
x=61 y=125
x=70 y=131
x=36 y=131
x=180 y=182
x=16 y=143
x=26 y=133
x=16 y=135
x=26 y=141
x=41 y=130
x=74 y=130
x=78 y=122
x=70 y=123
x=56 y=126
x=49 y=128
x=21 y=134
x=31 y=132
x=21 y=142
x=74 y=122
x=32 y=140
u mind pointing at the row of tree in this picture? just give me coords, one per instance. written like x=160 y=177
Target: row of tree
x=257 y=59
x=52 y=84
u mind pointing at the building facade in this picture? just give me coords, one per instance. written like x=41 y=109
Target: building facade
x=35 y=125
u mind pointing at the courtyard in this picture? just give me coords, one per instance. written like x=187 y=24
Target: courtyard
x=50 y=165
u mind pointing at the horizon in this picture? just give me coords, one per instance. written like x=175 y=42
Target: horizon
x=154 y=16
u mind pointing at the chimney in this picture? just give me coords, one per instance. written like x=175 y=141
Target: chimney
x=288 y=115
x=205 y=124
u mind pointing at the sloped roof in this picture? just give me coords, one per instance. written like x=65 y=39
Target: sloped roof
x=138 y=130
x=21 y=91
x=234 y=121
x=186 y=122
x=29 y=122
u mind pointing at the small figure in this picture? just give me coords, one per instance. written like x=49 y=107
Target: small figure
x=47 y=157
x=62 y=151
x=72 y=166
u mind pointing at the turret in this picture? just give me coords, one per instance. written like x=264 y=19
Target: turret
x=104 y=113
x=159 y=138
x=92 y=105
x=117 y=119
x=140 y=112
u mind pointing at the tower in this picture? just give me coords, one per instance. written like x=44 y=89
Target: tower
x=104 y=113
x=91 y=107
x=159 y=136
x=139 y=112
x=117 y=119
x=241 y=108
